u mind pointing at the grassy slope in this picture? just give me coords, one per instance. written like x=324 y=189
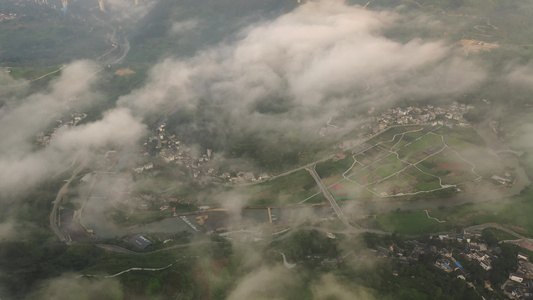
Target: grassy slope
x=514 y=214
x=409 y=223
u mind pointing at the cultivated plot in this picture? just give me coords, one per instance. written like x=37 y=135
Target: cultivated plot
x=404 y=161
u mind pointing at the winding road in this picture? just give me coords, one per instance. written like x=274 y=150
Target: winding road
x=54 y=215
x=124 y=48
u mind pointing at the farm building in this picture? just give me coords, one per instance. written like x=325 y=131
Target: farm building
x=140 y=241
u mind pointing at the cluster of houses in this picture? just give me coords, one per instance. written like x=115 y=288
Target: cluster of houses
x=7 y=17
x=62 y=122
x=242 y=177
x=444 y=258
x=480 y=253
x=429 y=114
x=507 y=179
x=140 y=241
x=168 y=149
x=147 y=166
x=449 y=264
x=471 y=251
x=147 y=201
x=520 y=283
x=468 y=248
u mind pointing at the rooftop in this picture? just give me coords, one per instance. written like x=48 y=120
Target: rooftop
x=140 y=241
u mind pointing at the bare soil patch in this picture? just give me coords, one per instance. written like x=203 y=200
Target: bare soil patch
x=476 y=46
x=123 y=72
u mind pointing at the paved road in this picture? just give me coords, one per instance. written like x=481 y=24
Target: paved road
x=124 y=48
x=521 y=240
x=496 y=226
x=34 y=79
x=118 y=249
x=363 y=230
x=331 y=156
x=287 y=172
x=328 y=196
x=124 y=250
x=53 y=215
x=345 y=231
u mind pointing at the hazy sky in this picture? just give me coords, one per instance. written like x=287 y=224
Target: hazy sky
x=296 y=71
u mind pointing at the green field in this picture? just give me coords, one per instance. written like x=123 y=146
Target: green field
x=330 y=168
x=412 y=149
x=501 y=235
x=390 y=165
x=138 y=217
x=510 y=213
x=399 y=145
x=375 y=153
x=285 y=190
x=514 y=214
x=460 y=137
x=363 y=159
x=353 y=191
x=433 y=140
x=389 y=134
x=403 y=162
x=390 y=144
x=30 y=73
x=409 y=223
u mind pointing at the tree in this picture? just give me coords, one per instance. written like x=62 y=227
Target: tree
x=489 y=237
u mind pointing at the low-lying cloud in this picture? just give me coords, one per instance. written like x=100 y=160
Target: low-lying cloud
x=324 y=58
x=265 y=283
x=22 y=165
x=183 y=27
x=69 y=287
x=329 y=288
x=9 y=87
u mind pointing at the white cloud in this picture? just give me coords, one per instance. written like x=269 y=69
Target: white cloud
x=68 y=287
x=322 y=52
x=21 y=166
x=184 y=27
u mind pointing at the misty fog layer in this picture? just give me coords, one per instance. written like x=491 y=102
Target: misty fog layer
x=23 y=165
x=293 y=73
x=279 y=80
x=286 y=75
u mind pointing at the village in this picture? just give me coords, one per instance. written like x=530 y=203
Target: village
x=520 y=283
x=7 y=17
x=469 y=255
x=477 y=260
x=163 y=153
x=168 y=149
x=453 y=115
x=164 y=150
x=62 y=121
